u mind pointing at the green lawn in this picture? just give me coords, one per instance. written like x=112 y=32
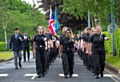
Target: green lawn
x=113 y=60
x=6 y=55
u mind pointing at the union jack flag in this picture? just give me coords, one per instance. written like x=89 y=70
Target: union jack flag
x=51 y=25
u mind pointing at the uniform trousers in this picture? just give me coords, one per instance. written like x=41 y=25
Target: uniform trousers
x=40 y=60
x=99 y=60
x=68 y=62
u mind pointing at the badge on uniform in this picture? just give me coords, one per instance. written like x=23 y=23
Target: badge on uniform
x=68 y=48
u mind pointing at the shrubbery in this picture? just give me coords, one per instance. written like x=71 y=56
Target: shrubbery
x=2 y=46
x=108 y=44
x=117 y=41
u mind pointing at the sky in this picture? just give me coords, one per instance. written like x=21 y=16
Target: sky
x=31 y=2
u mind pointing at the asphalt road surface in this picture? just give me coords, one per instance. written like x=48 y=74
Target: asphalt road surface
x=55 y=73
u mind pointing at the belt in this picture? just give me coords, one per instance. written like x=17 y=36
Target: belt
x=99 y=47
x=67 y=48
x=40 y=46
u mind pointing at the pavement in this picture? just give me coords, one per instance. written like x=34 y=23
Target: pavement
x=55 y=73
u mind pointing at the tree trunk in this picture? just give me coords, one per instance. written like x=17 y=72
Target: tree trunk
x=5 y=33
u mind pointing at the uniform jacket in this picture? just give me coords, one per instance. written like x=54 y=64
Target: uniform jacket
x=16 y=43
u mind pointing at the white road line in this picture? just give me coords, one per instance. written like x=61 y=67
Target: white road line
x=3 y=75
x=74 y=75
x=32 y=75
x=115 y=78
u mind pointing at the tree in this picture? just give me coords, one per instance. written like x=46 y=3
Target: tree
x=65 y=18
x=98 y=8
x=19 y=14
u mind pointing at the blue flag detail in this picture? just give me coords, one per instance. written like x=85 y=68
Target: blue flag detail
x=57 y=24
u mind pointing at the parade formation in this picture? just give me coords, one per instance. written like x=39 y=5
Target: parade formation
x=60 y=40
x=89 y=45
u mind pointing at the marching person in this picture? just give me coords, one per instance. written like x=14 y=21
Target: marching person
x=67 y=50
x=40 y=45
x=77 y=43
x=26 y=47
x=32 y=41
x=98 y=51
x=17 y=40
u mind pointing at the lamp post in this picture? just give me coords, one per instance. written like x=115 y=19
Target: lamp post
x=89 y=19
x=113 y=26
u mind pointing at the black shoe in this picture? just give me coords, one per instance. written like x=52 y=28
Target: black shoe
x=70 y=76
x=101 y=74
x=39 y=76
x=43 y=75
x=45 y=72
x=20 y=65
x=66 y=76
x=97 y=77
x=16 y=68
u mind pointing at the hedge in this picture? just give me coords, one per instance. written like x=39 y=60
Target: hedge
x=2 y=46
x=108 y=44
x=117 y=41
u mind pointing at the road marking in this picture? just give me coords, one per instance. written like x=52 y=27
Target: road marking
x=74 y=75
x=33 y=75
x=115 y=78
x=3 y=75
x=108 y=75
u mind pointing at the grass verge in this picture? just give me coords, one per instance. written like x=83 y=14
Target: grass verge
x=113 y=60
x=6 y=55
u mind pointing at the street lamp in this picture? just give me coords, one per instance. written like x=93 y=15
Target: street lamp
x=113 y=26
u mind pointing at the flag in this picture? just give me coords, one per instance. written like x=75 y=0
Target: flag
x=57 y=25
x=51 y=25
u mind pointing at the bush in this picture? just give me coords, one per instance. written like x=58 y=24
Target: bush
x=2 y=46
x=108 y=44
x=117 y=41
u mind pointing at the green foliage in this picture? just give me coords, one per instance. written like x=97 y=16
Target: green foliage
x=99 y=8
x=117 y=41
x=2 y=46
x=6 y=55
x=22 y=15
x=113 y=60
x=108 y=44
x=105 y=26
x=59 y=32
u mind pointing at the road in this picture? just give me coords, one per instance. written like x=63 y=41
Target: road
x=55 y=73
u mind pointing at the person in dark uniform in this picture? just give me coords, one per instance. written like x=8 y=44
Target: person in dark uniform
x=98 y=51
x=87 y=47
x=80 y=51
x=84 y=46
x=91 y=57
x=67 y=50
x=50 y=46
x=54 y=49
x=77 y=43
x=17 y=40
x=62 y=36
x=32 y=41
x=40 y=45
x=26 y=47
